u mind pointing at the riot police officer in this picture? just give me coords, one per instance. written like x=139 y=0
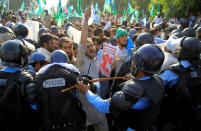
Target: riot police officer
x=182 y=103
x=137 y=105
x=198 y=33
x=17 y=89
x=21 y=31
x=5 y=34
x=59 y=111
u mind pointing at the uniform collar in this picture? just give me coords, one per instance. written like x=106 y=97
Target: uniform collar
x=145 y=78
x=185 y=63
x=31 y=67
x=11 y=69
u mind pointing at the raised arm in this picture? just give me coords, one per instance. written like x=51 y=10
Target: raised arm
x=84 y=34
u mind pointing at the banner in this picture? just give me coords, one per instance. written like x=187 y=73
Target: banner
x=108 y=55
x=33 y=27
x=74 y=34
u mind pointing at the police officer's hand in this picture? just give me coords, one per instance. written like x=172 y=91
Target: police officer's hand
x=83 y=88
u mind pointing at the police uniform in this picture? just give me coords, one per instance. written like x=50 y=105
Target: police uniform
x=59 y=111
x=137 y=105
x=17 y=90
x=182 y=101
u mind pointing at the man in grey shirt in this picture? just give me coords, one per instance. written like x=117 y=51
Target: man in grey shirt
x=87 y=65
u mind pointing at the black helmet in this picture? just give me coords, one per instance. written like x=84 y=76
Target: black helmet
x=13 y=53
x=148 y=58
x=196 y=26
x=157 y=26
x=144 y=38
x=41 y=25
x=54 y=29
x=5 y=34
x=5 y=29
x=43 y=30
x=190 y=49
x=131 y=33
x=172 y=27
x=189 y=32
x=199 y=30
x=162 y=25
x=11 y=25
x=21 y=30
x=177 y=35
x=66 y=26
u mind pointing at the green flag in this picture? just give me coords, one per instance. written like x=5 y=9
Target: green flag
x=44 y=1
x=114 y=8
x=38 y=10
x=124 y=16
x=59 y=15
x=3 y=8
x=108 y=6
x=52 y=13
x=158 y=9
x=22 y=6
x=79 y=9
x=38 y=2
x=152 y=10
x=130 y=9
x=137 y=15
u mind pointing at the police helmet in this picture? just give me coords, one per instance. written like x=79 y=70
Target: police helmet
x=199 y=30
x=4 y=29
x=189 y=32
x=41 y=25
x=144 y=38
x=148 y=58
x=157 y=26
x=162 y=25
x=21 y=30
x=131 y=33
x=190 y=49
x=59 y=56
x=37 y=56
x=43 y=30
x=11 y=25
x=177 y=35
x=172 y=27
x=54 y=29
x=13 y=53
x=196 y=26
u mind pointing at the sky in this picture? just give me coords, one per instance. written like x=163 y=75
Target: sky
x=54 y=3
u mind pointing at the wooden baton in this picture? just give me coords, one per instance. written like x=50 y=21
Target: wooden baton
x=94 y=80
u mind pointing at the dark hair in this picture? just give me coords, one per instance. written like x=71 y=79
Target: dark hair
x=98 y=31
x=106 y=33
x=60 y=35
x=40 y=62
x=105 y=39
x=75 y=46
x=98 y=39
x=45 y=37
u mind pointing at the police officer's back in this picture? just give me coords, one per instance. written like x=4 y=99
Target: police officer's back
x=137 y=105
x=182 y=103
x=59 y=111
x=17 y=89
